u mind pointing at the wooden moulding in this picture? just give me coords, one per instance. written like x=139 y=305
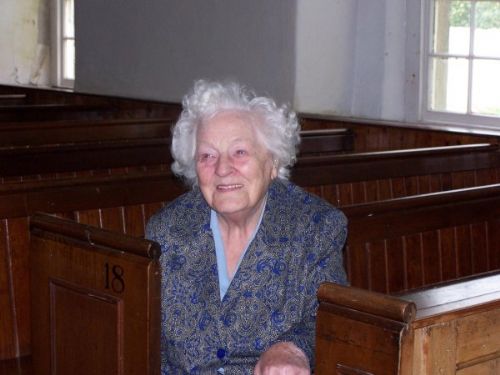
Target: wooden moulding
x=372 y=303
x=359 y=332
x=44 y=225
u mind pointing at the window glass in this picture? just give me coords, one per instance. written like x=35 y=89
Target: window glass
x=69 y=59
x=69 y=19
x=487 y=33
x=486 y=87
x=448 y=86
x=451 y=27
x=463 y=58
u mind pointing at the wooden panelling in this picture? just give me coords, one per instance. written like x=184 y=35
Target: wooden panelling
x=415 y=241
x=17 y=366
x=12 y=99
x=95 y=300
x=76 y=131
x=373 y=135
x=367 y=177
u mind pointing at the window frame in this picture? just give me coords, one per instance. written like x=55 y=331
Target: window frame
x=57 y=42
x=470 y=121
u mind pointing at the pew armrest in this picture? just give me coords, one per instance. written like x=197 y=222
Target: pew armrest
x=362 y=332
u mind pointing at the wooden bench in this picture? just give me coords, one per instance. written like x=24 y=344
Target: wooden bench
x=132 y=107
x=12 y=99
x=367 y=177
x=39 y=133
x=409 y=242
x=91 y=156
x=88 y=196
x=17 y=366
x=55 y=147
x=95 y=300
x=325 y=142
x=123 y=198
x=52 y=112
x=122 y=203
x=450 y=329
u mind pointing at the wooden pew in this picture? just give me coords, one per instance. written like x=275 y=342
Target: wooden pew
x=325 y=142
x=92 y=156
x=374 y=135
x=95 y=300
x=56 y=147
x=122 y=203
x=122 y=199
x=137 y=108
x=415 y=241
x=450 y=329
x=52 y=112
x=12 y=99
x=88 y=196
x=45 y=148
x=22 y=133
x=367 y=177
x=39 y=133
x=17 y=366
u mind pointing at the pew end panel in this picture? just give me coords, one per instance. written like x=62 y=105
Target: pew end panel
x=451 y=328
x=359 y=332
x=95 y=300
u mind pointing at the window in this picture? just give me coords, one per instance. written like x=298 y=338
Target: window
x=462 y=62
x=63 y=43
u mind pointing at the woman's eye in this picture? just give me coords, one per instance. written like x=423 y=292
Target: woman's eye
x=241 y=152
x=206 y=157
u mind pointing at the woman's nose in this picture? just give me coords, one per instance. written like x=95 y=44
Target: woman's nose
x=224 y=166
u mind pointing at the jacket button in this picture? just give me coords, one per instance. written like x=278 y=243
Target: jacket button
x=221 y=353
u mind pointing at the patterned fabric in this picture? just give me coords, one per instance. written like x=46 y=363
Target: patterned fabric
x=272 y=296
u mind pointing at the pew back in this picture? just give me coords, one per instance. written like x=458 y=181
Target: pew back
x=410 y=242
x=373 y=176
x=95 y=300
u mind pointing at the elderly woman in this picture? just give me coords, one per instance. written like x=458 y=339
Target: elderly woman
x=244 y=251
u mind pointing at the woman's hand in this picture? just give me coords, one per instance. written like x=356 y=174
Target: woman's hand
x=282 y=358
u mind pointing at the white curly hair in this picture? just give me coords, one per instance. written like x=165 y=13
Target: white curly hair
x=278 y=126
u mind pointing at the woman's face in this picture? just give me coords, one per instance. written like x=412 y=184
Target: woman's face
x=234 y=168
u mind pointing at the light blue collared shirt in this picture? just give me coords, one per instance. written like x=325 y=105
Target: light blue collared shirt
x=224 y=279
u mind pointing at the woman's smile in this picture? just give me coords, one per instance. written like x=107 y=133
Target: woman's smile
x=231 y=187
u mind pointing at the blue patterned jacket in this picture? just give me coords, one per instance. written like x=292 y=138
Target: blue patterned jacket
x=272 y=296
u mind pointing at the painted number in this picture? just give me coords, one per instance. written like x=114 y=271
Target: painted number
x=113 y=276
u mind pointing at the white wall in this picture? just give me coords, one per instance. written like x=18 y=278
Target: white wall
x=351 y=57
x=355 y=58
x=156 y=48
x=24 y=29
